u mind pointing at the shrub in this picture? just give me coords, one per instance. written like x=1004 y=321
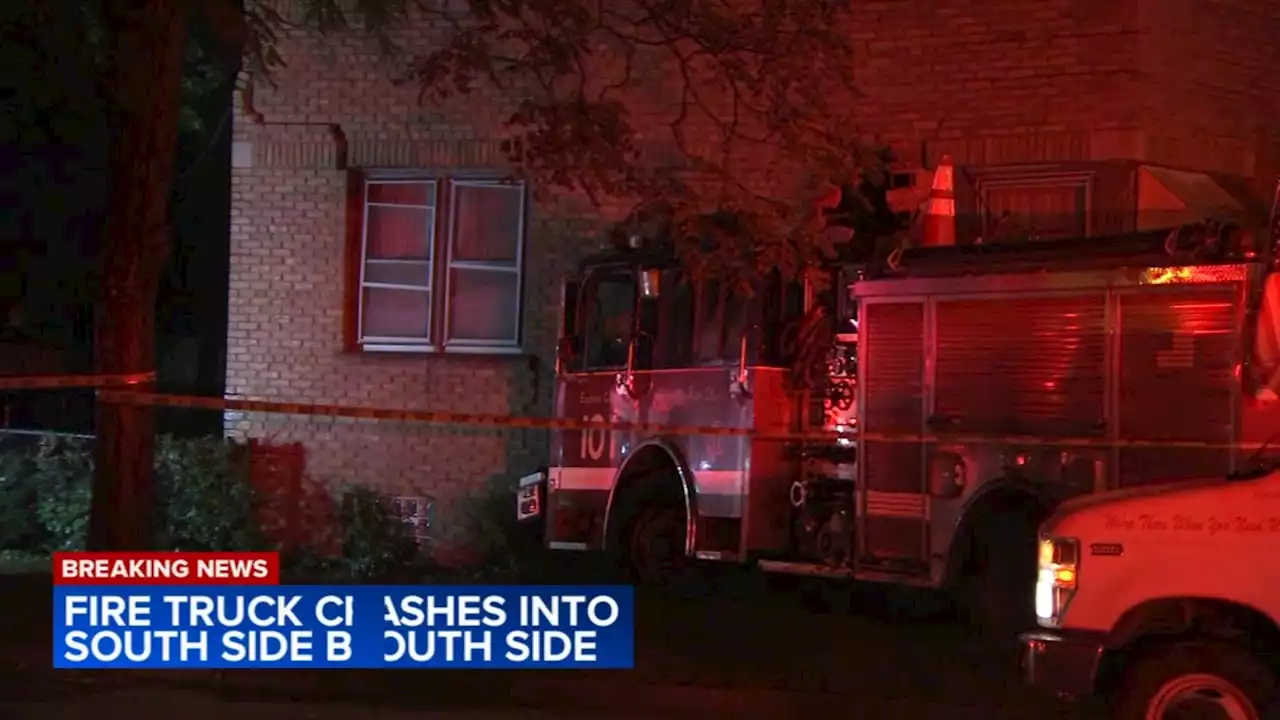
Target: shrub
x=205 y=497
x=504 y=546
x=62 y=475
x=205 y=500
x=20 y=527
x=376 y=545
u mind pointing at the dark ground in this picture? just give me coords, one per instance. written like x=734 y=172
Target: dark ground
x=752 y=653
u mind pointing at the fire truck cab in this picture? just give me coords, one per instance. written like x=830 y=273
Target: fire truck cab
x=914 y=424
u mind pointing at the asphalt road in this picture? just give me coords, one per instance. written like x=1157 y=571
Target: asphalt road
x=750 y=653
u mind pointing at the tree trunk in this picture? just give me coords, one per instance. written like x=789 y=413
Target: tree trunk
x=143 y=78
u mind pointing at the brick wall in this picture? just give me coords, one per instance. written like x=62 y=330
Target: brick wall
x=997 y=82
x=285 y=342
x=1216 y=62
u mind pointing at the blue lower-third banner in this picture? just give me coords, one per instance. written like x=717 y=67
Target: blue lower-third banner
x=343 y=627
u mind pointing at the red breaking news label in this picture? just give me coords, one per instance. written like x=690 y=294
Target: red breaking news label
x=166 y=568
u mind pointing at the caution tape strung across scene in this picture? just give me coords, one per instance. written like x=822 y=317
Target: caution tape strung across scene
x=54 y=382
x=106 y=393
x=541 y=423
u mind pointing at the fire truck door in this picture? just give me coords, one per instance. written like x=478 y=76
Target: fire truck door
x=579 y=484
x=893 y=501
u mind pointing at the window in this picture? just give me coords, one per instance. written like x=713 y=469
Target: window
x=675 y=321
x=1048 y=207
x=610 y=312
x=721 y=320
x=441 y=264
x=783 y=311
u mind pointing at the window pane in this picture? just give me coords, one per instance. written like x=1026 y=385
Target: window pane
x=398 y=233
x=675 y=323
x=403 y=193
x=398 y=272
x=710 y=322
x=483 y=305
x=487 y=221
x=735 y=323
x=1035 y=211
x=396 y=313
x=610 y=306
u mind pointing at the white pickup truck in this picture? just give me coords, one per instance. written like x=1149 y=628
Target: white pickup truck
x=1159 y=599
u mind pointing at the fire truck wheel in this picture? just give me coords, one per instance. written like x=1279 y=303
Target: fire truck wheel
x=1209 y=680
x=655 y=545
x=998 y=589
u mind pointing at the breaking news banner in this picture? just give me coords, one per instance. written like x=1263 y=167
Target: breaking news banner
x=226 y=610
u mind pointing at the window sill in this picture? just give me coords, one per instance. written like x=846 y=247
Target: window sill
x=470 y=351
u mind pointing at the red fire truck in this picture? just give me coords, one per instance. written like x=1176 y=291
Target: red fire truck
x=960 y=394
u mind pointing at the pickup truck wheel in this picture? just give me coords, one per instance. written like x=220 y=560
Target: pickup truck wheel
x=1189 y=680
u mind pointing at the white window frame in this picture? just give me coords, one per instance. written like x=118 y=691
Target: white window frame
x=1028 y=178
x=480 y=345
x=373 y=342
x=443 y=244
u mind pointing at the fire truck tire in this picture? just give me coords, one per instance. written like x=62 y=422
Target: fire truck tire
x=653 y=551
x=998 y=590
x=1167 y=676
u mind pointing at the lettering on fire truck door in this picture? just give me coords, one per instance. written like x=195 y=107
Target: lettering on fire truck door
x=893 y=505
x=579 y=487
x=587 y=400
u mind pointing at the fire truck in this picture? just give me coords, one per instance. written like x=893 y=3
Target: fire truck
x=912 y=425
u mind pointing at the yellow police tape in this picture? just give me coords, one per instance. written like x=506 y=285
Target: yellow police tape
x=51 y=382
x=106 y=393
x=543 y=423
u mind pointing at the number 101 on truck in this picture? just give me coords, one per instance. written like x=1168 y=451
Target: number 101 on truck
x=914 y=423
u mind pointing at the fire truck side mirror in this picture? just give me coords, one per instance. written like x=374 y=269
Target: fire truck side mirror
x=650 y=283
x=739 y=381
x=628 y=382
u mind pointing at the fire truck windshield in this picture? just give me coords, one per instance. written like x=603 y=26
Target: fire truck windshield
x=610 y=301
x=675 y=321
x=721 y=320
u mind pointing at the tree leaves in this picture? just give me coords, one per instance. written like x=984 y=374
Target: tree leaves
x=688 y=110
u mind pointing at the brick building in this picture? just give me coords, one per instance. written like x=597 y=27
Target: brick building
x=375 y=262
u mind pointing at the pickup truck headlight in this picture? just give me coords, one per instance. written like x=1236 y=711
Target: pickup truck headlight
x=1057 y=578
